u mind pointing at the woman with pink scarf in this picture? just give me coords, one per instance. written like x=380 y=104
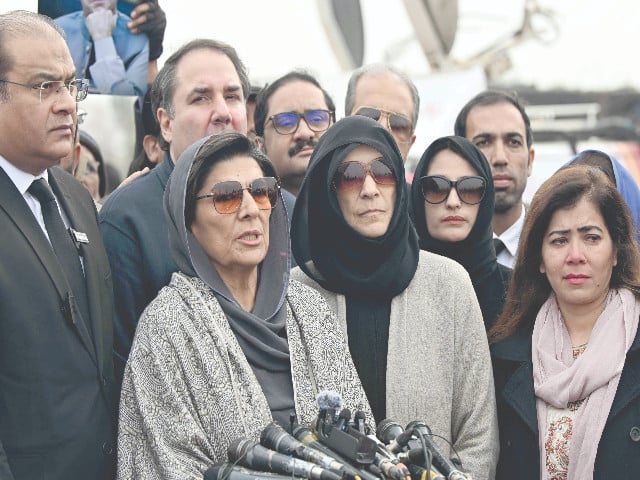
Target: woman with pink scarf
x=566 y=349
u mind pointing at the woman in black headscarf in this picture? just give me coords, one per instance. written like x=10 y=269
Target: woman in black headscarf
x=230 y=344
x=456 y=221
x=412 y=320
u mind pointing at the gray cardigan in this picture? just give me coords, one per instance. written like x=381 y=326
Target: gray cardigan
x=438 y=364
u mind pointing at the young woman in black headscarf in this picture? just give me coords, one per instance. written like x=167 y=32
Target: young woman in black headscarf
x=412 y=320
x=452 y=197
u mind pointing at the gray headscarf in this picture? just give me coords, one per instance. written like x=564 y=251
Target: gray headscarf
x=259 y=332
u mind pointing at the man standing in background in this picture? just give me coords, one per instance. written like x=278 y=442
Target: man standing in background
x=498 y=125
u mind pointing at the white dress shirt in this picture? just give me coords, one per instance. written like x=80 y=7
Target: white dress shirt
x=510 y=237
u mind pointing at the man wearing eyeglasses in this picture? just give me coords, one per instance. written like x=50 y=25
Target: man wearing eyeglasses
x=201 y=90
x=388 y=96
x=291 y=115
x=56 y=302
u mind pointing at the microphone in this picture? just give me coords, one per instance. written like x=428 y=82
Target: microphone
x=441 y=462
x=397 y=439
x=343 y=419
x=337 y=435
x=253 y=455
x=393 y=435
x=226 y=471
x=392 y=469
x=359 y=419
x=329 y=402
x=276 y=438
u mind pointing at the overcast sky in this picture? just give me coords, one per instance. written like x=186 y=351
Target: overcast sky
x=595 y=47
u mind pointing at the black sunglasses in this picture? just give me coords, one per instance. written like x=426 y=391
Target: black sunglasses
x=227 y=196
x=286 y=123
x=436 y=189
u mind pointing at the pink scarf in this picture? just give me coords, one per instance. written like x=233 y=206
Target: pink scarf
x=559 y=379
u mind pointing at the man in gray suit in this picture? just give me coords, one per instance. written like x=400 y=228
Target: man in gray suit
x=56 y=300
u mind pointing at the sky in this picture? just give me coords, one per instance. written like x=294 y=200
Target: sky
x=593 y=49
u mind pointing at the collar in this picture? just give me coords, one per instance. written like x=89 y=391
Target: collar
x=21 y=179
x=511 y=236
x=516 y=348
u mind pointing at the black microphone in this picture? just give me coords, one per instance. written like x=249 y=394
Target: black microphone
x=253 y=455
x=329 y=402
x=276 y=438
x=393 y=435
x=440 y=461
x=359 y=419
x=226 y=471
x=343 y=419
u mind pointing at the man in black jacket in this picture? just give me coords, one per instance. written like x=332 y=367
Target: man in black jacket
x=56 y=300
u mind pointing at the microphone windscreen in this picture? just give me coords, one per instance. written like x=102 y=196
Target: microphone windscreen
x=329 y=400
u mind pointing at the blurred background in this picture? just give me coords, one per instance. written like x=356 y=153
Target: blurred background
x=569 y=60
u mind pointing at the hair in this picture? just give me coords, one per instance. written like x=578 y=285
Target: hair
x=21 y=22
x=529 y=288
x=90 y=144
x=595 y=158
x=492 y=97
x=253 y=93
x=262 y=100
x=164 y=85
x=378 y=69
x=219 y=148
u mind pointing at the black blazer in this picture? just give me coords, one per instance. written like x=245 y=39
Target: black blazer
x=56 y=368
x=619 y=449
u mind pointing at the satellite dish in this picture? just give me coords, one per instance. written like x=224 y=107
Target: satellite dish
x=342 y=21
x=435 y=23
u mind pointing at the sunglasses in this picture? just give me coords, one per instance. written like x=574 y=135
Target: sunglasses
x=287 y=123
x=227 y=196
x=351 y=175
x=398 y=124
x=436 y=189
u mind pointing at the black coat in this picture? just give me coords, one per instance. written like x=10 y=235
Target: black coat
x=56 y=368
x=618 y=454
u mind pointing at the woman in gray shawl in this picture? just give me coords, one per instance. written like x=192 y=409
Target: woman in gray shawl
x=231 y=343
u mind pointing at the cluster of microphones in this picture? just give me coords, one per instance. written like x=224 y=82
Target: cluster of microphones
x=338 y=447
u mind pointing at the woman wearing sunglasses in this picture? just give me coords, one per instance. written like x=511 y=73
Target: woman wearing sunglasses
x=413 y=323
x=230 y=344
x=452 y=199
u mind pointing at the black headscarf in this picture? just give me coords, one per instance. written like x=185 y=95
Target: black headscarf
x=475 y=253
x=326 y=247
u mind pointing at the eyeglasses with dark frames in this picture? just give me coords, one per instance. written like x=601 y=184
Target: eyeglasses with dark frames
x=227 y=196
x=397 y=123
x=436 y=189
x=351 y=175
x=77 y=88
x=287 y=123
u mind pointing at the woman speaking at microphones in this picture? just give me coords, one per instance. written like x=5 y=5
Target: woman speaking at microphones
x=231 y=344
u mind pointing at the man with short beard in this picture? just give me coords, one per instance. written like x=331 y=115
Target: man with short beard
x=291 y=115
x=498 y=125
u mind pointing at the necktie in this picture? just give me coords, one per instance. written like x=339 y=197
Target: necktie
x=498 y=245
x=62 y=243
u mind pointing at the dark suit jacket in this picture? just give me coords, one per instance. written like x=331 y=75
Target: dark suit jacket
x=56 y=369
x=619 y=449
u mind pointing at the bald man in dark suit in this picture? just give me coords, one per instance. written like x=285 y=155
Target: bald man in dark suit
x=56 y=369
